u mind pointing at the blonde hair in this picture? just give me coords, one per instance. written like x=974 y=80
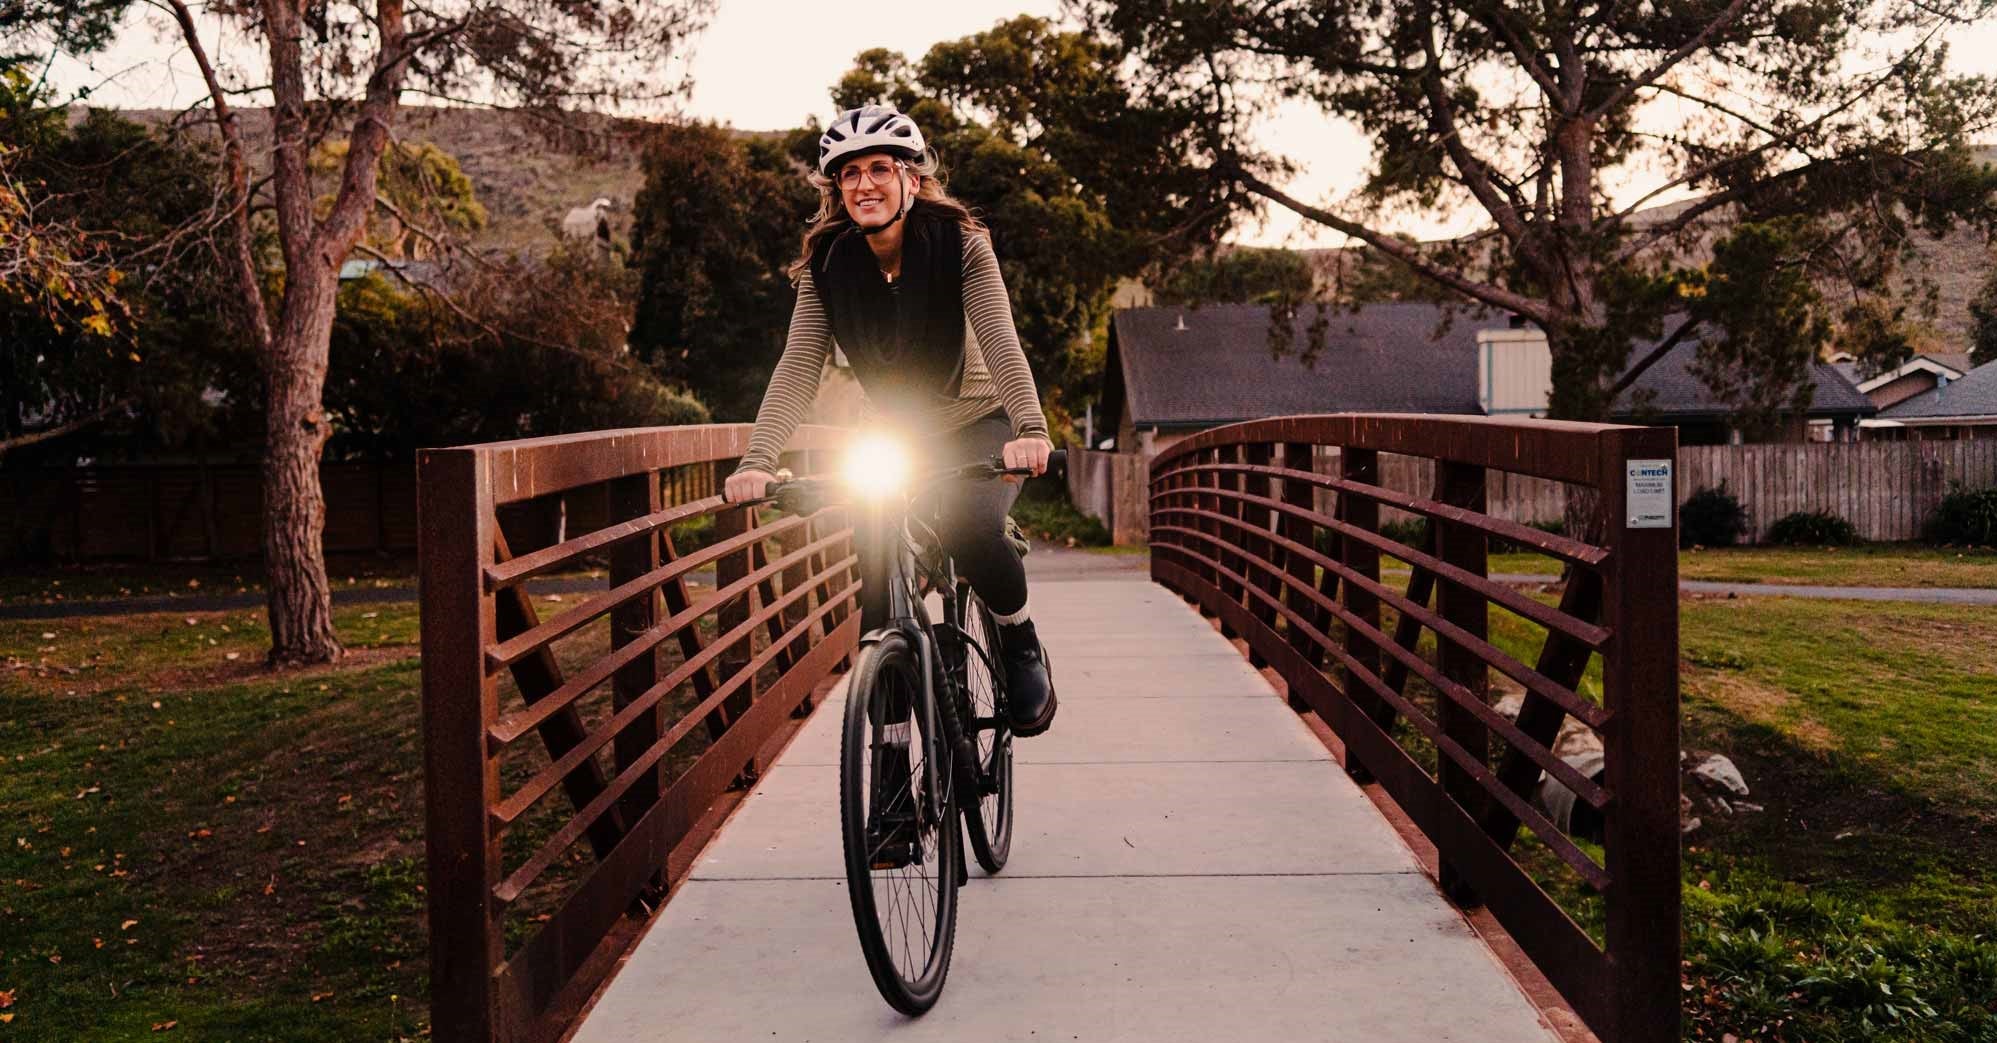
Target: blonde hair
x=831 y=220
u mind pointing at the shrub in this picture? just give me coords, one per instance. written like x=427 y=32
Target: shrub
x=1965 y=516
x=1045 y=512
x=1812 y=529
x=1711 y=518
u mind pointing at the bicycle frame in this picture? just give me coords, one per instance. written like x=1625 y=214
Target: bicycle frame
x=888 y=563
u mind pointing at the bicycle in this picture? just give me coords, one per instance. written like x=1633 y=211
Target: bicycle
x=924 y=725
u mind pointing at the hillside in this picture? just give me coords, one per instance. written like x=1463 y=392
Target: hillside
x=527 y=169
x=1956 y=263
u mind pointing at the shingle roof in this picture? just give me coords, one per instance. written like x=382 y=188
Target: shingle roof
x=1974 y=395
x=1678 y=395
x=1219 y=368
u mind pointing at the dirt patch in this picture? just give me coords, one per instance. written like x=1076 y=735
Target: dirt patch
x=1761 y=704
x=1822 y=824
x=1965 y=641
x=284 y=862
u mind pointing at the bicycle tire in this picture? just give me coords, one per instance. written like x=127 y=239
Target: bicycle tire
x=988 y=819
x=888 y=671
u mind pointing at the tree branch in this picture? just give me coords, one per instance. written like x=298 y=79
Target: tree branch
x=348 y=217
x=66 y=428
x=1477 y=177
x=1698 y=42
x=242 y=256
x=1529 y=59
x=1495 y=296
x=497 y=334
x=1685 y=329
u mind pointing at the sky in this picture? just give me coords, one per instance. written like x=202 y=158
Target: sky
x=769 y=64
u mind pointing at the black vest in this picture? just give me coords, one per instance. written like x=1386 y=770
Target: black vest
x=905 y=342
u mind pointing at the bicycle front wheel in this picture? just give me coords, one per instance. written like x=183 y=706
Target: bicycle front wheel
x=903 y=844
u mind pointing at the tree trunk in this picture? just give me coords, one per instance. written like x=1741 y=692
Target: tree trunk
x=1583 y=379
x=294 y=506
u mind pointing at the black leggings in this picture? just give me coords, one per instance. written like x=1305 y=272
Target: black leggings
x=971 y=522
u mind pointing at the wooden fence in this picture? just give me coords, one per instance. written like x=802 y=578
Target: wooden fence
x=1886 y=490
x=1236 y=528
x=190 y=512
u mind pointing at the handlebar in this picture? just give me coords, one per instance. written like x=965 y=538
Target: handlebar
x=787 y=487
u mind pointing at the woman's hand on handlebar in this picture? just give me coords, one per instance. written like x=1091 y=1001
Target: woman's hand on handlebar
x=1028 y=453
x=747 y=485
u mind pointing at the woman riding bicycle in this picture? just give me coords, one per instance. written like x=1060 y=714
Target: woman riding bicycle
x=904 y=278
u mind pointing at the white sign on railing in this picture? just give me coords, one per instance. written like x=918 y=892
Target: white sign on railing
x=1648 y=496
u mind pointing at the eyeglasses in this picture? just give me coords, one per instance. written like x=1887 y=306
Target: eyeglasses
x=880 y=172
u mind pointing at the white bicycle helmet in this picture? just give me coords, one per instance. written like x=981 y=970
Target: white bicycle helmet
x=869 y=128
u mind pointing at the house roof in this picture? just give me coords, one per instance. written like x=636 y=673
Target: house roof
x=1676 y=394
x=1975 y=395
x=1924 y=362
x=1220 y=368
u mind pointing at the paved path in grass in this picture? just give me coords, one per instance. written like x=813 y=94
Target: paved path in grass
x=1189 y=865
x=1932 y=595
x=1051 y=561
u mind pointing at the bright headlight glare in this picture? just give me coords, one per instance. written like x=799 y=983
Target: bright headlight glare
x=876 y=466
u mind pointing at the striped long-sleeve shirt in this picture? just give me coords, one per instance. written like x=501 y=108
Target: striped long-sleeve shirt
x=995 y=369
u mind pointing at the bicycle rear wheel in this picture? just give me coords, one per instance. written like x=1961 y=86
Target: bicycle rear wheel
x=903 y=859
x=988 y=819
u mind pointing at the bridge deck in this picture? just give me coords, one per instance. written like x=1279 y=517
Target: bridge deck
x=1189 y=864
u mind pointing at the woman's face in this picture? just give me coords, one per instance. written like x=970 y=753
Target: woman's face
x=872 y=189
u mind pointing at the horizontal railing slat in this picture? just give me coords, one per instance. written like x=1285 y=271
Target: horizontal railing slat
x=519 y=880
x=512 y=650
x=526 y=566
x=520 y=722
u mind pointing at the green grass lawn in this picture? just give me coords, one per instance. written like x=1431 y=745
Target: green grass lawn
x=1870 y=565
x=191 y=842
x=1861 y=903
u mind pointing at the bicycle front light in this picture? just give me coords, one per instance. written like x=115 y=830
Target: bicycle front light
x=876 y=466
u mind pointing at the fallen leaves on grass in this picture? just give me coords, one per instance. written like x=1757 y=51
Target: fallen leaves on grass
x=6 y=998
x=165 y=1026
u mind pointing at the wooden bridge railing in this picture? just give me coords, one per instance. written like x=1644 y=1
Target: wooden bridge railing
x=1235 y=530
x=651 y=698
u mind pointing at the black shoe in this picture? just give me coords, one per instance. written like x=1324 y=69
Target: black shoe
x=893 y=841
x=1029 y=684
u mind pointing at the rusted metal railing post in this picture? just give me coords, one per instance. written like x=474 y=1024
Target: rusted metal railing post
x=1363 y=466
x=1303 y=572
x=635 y=496
x=1640 y=692
x=455 y=533
x=1264 y=561
x=1461 y=485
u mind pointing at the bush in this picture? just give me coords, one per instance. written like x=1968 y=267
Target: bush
x=1812 y=529
x=1965 y=517
x=1045 y=512
x=1711 y=518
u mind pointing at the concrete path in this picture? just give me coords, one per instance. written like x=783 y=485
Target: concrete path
x=1059 y=562
x=1924 y=595
x=1188 y=864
